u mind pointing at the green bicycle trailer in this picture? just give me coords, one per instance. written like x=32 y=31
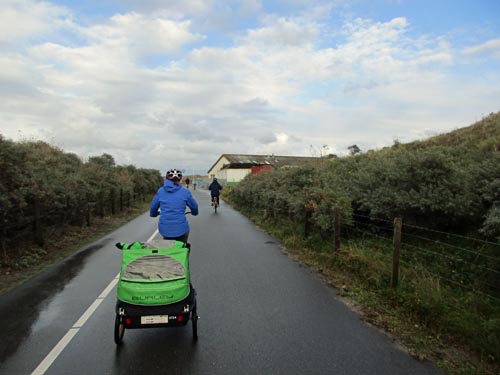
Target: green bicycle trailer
x=154 y=288
x=155 y=273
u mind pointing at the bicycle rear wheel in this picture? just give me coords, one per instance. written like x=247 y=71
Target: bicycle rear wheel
x=119 y=329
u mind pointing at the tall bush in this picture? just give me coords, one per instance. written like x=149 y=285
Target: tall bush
x=43 y=185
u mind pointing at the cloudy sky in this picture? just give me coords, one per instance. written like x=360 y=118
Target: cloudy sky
x=168 y=83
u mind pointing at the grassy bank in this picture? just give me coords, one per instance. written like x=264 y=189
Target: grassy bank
x=456 y=329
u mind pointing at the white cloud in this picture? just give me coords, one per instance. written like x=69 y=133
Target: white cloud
x=142 y=35
x=491 y=47
x=249 y=8
x=25 y=19
x=280 y=87
x=206 y=15
x=170 y=8
x=279 y=32
x=281 y=145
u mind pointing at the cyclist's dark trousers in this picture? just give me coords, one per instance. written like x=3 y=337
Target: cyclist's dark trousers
x=217 y=196
x=183 y=238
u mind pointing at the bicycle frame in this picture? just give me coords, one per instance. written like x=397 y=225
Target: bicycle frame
x=215 y=203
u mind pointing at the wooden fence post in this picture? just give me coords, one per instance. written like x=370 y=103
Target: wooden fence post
x=113 y=201
x=89 y=221
x=307 y=221
x=336 y=241
x=37 y=228
x=397 y=249
x=121 y=199
x=307 y=213
x=3 y=236
x=68 y=212
x=101 y=204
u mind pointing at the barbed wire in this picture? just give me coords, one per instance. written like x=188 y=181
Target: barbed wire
x=351 y=227
x=464 y=277
x=453 y=282
x=452 y=234
x=430 y=251
x=450 y=257
x=370 y=234
x=489 y=285
x=391 y=229
x=374 y=219
x=431 y=240
x=452 y=246
x=430 y=230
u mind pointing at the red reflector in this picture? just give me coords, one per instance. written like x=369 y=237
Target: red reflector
x=128 y=321
x=180 y=318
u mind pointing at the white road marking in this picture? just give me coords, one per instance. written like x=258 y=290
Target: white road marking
x=110 y=287
x=54 y=353
x=86 y=315
x=152 y=236
x=57 y=350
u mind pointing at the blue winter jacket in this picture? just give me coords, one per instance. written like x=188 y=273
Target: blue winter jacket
x=170 y=202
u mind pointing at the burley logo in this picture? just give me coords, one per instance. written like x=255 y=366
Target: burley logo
x=152 y=298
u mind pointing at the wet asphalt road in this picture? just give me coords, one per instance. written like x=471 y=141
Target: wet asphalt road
x=261 y=313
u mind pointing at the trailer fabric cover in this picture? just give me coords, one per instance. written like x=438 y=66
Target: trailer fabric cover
x=155 y=275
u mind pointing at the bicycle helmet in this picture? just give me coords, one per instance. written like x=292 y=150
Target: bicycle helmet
x=174 y=174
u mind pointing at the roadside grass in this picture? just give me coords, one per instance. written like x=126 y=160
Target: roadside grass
x=457 y=330
x=30 y=259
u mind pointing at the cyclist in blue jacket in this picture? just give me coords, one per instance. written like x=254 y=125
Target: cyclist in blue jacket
x=170 y=203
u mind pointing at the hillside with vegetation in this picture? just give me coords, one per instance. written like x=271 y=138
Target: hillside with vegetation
x=484 y=134
x=445 y=191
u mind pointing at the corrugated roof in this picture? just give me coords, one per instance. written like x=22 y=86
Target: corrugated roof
x=276 y=161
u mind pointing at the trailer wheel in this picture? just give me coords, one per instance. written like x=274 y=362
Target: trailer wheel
x=194 y=322
x=119 y=330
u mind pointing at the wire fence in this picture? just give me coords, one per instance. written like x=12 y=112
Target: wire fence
x=469 y=263
x=33 y=224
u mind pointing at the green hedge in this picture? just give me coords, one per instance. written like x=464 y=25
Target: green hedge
x=42 y=186
x=448 y=188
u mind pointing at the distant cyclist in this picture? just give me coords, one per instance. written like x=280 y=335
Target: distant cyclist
x=215 y=189
x=170 y=203
x=187 y=182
